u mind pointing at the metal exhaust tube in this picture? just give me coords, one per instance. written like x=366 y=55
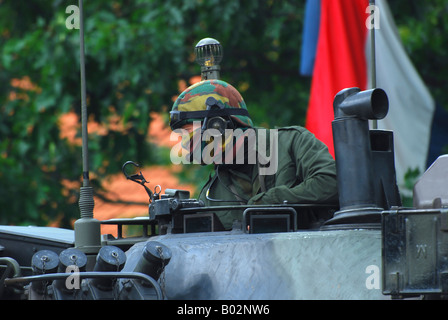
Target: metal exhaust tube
x=358 y=192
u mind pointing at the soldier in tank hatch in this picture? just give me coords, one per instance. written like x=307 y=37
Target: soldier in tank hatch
x=252 y=165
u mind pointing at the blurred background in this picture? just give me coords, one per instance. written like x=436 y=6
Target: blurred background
x=139 y=57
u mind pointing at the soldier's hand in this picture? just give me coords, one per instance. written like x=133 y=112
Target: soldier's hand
x=257 y=199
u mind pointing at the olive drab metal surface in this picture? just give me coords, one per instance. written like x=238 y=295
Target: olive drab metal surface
x=415 y=252
x=292 y=265
x=415 y=241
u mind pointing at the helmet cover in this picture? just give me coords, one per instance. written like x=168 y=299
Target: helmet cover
x=194 y=99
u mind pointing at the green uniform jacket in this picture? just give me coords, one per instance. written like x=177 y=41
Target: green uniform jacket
x=306 y=173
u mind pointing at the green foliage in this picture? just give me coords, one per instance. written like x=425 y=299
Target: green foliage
x=423 y=28
x=136 y=52
x=410 y=178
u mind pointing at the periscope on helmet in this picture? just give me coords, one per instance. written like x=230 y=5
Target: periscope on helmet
x=234 y=146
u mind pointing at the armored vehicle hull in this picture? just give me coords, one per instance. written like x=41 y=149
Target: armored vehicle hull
x=338 y=264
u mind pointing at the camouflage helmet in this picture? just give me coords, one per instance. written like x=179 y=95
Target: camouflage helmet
x=191 y=104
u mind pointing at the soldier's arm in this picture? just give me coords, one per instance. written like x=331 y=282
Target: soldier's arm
x=315 y=171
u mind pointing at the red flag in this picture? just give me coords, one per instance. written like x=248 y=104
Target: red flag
x=340 y=61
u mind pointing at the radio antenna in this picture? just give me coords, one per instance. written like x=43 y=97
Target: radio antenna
x=372 y=7
x=85 y=147
x=87 y=229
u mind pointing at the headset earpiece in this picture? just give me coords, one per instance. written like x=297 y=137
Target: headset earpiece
x=218 y=123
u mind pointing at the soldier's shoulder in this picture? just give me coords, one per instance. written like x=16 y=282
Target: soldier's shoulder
x=293 y=129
